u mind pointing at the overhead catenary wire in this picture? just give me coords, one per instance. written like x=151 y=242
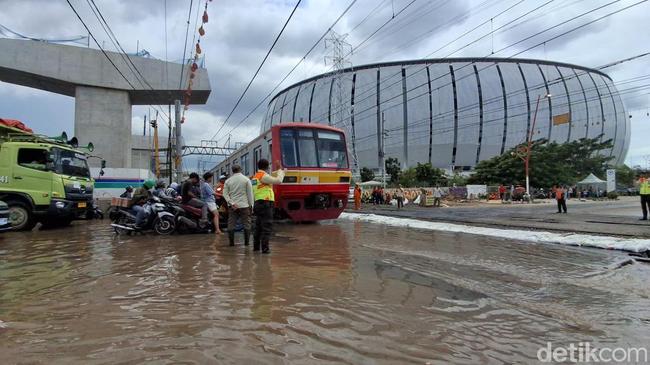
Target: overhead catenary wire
x=491 y=32
x=292 y=70
x=512 y=45
x=120 y=50
x=187 y=31
x=277 y=38
x=323 y=36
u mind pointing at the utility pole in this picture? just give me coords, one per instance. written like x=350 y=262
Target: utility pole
x=168 y=156
x=179 y=147
x=382 y=155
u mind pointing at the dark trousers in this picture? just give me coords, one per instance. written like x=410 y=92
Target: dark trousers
x=561 y=205
x=263 y=211
x=436 y=202
x=645 y=204
x=400 y=202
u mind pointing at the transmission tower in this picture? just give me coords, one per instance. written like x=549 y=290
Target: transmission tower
x=338 y=58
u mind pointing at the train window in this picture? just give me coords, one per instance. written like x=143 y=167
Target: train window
x=257 y=155
x=307 y=149
x=288 y=148
x=245 y=164
x=332 y=151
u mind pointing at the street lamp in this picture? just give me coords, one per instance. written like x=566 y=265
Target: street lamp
x=523 y=151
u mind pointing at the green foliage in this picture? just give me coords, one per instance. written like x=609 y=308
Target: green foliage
x=457 y=180
x=393 y=169
x=428 y=175
x=550 y=163
x=612 y=195
x=625 y=176
x=408 y=178
x=366 y=174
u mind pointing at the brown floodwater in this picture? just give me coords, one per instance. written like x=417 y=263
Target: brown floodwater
x=334 y=292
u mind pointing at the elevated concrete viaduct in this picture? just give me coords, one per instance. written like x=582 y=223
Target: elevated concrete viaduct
x=103 y=98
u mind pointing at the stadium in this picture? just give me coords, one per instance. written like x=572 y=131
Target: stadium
x=455 y=112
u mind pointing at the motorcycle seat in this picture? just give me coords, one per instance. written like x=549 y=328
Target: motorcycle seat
x=192 y=210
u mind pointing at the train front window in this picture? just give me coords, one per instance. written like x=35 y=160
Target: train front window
x=307 y=148
x=288 y=148
x=332 y=151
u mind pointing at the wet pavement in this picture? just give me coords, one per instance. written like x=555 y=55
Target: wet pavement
x=333 y=292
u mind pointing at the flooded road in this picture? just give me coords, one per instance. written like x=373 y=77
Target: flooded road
x=339 y=292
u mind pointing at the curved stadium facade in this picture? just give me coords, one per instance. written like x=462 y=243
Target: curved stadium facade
x=455 y=112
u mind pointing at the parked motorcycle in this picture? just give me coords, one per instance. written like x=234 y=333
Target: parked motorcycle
x=188 y=220
x=159 y=218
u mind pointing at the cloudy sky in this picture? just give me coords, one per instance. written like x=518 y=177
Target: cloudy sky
x=240 y=32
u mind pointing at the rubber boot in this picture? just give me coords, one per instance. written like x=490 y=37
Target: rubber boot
x=231 y=237
x=247 y=236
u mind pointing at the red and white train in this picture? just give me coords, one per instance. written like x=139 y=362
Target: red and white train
x=315 y=156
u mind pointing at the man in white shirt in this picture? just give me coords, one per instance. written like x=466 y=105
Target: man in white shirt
x=238 y=193
x=437 y=194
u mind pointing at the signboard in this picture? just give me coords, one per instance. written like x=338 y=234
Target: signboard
x=611 y=180
x=473 y=191
x=561 y=119
x=428 y=202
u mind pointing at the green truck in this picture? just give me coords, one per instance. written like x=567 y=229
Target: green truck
x=42 y=178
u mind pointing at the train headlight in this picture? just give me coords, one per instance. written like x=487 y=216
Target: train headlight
x=339 y=203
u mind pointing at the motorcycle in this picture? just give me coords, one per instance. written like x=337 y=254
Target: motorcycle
x=188 y=220
x=95 y=212
x=158 y=218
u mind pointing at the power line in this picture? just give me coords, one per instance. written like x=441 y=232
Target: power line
x=259 y=67
x=293 y=69
x=509 y=46
x=323 y=36
x=98 y=45
x=187 y=30
x=118 y=47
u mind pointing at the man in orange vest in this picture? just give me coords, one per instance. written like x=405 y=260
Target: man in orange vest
x=264 y=204
x=357 y=197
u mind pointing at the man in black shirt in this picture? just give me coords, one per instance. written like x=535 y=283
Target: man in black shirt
x=191 y=196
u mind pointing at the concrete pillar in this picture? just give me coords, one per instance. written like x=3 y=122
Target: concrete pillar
x=103 y=117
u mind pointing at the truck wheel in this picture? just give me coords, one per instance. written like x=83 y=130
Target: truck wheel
x=20 y=216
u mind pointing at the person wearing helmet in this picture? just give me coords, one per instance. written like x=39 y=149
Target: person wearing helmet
x=218 y=190
x=159 y=191
x=140 y=197
x=172 y=190
x=128 y=192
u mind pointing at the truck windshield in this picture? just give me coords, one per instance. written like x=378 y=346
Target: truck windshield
x=71 y=163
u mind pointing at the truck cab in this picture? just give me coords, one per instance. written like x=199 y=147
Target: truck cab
x=42 y=180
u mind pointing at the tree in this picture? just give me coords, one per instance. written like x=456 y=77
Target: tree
x=366 y=174
x=393 y=169
x=625 y=176
x=550 y=163
x=408 y=178
x=428 y=175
